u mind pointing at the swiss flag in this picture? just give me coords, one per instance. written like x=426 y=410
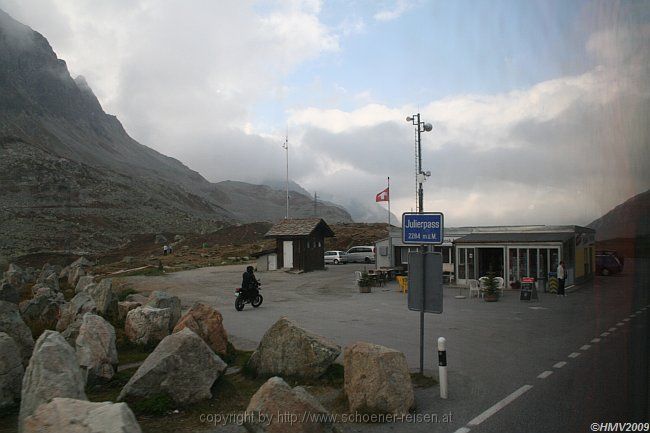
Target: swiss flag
x=382 y=196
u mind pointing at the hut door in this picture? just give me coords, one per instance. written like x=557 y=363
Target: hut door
x=287 y=252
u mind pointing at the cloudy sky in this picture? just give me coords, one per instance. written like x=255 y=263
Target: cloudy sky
x=539 y=108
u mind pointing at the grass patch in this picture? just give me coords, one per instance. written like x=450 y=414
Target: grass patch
x=109 y=391
x=422 y=381
x=158 y=404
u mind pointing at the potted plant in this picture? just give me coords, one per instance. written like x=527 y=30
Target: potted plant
x=365 y=283
x=491 y=288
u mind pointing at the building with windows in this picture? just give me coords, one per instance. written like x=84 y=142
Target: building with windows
x=511 y=252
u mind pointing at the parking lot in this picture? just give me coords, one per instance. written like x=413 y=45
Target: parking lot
x=493 y=348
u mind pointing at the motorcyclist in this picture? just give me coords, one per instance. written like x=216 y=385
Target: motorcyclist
x=249 y=283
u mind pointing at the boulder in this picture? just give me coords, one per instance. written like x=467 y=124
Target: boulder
x=11 y=371
x=96 y=351
x=377 y=379
x=49 y=277
x=137 y=297
x=42 y=311
x=207 y=323
x=8 y=292
x=124 y=307
x=15 y=276
x=147 y=325
x=81 y=304
x=182 y=367
x=83 y=283
x=105 y=298
x=72 y=332
x=277 y=397
x=52 y=372
x=12 y=323
x=158 y=299
x=74 y=274
x=290 y=351
x=79 y=416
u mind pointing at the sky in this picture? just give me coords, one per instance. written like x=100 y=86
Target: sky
x=539 y=108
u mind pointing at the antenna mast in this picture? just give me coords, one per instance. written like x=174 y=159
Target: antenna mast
x=285 y=146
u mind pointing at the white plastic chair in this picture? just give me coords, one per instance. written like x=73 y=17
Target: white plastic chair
x=502 y=284
x=357 y=276
x=474 y=287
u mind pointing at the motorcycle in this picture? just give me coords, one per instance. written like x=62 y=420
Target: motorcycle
x=254 y=298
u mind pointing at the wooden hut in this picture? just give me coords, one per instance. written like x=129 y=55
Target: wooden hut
x=300 y=243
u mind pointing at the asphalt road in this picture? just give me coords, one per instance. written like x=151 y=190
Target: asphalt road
x=496 y=351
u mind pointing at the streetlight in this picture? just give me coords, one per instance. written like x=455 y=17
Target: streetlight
x=420 y=176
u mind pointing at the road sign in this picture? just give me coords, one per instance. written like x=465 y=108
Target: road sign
x=422 y=228
x=425 y=282
x=528 y=290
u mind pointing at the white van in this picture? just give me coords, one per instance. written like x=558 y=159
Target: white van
x=361 y=254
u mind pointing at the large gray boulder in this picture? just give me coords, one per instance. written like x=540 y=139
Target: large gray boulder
x=42 y=311
x=8 y=292
x=182 y=366
x=11 y=371
x=124 y=307
x=83 y=283
x=290 y=351
x=277 y=397
x=105 y=298
x=72 y=332
x=78 y=416
x=79 y=305
x=96 y=350
x=158 y=299
x=49 y=277
x=147 y=325
x=12 y=323
x=377 y=379
x=52 y=372
x=74 y=274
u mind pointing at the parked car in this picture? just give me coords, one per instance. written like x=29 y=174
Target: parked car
x=607 y=264
x=335 y=257
x=361 y=254
x=616 y=254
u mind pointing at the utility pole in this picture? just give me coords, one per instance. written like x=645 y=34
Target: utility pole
x=285 y=146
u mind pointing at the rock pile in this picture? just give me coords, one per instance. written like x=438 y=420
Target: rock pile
x=42 y=311
x=13 y=325
x=290 y=351
x=158 y=299
x=104 y=297
x=79 y=305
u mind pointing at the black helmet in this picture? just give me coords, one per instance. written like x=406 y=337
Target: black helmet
x=249 y=269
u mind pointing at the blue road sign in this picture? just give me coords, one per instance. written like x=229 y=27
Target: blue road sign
x=422 y=228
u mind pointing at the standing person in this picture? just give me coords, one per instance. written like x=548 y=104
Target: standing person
x=164 y=250
x=561 y=278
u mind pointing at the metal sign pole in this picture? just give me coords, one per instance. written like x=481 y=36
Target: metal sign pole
x=424 y=282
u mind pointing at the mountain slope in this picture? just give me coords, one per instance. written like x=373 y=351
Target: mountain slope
x=630 y=219
x=71 y=178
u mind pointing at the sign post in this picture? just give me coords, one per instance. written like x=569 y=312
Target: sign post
x=425 y=269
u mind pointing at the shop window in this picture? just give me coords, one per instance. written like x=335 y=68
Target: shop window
x=513 y=270
x=461 y=263
x=532 y=262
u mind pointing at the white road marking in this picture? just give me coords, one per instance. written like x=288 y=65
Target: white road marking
x=585 y=347
x=627 y=319
x=462 y=430
x=559 y=364
x=574 y=355
x=612 y=329
x=632 y=315
x=620 y=324
x=545 y=374
x=596 y=340
x=604 y=334
x=500 y=405
x=638 y=312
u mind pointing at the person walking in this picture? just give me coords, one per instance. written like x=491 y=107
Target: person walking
x=561 y=278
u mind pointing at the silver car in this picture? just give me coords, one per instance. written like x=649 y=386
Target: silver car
x=361 y=254
x=335 y=257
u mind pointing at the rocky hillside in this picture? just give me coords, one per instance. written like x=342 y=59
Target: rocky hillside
x=71 y=178
x=627 y=220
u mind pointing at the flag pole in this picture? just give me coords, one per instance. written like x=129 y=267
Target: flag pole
x=390 y=240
